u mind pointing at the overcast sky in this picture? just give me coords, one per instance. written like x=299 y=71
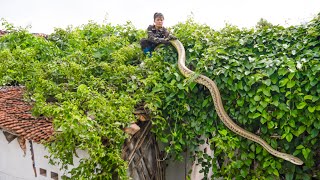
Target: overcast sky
x=44 y=15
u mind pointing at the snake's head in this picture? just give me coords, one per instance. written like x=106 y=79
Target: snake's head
x=293 y=159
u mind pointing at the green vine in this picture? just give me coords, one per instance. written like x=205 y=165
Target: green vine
x=90 y=79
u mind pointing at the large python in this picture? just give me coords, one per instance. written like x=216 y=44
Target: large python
x=215 y=93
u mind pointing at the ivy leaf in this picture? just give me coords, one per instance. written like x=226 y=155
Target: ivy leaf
x=311 y=109
x=275 y=88
x=257 y=98
x=317 y=124
x=291 y=84
x=177 y=76
x=205 y=102
x=164 y=140
x=275 y=172
x=300 y=147
x=270 y=124
x=283 y=82
x=240 y=102
x=192 y=85
x=239 y=85
x=314 y=133
x=266 y=91
x=308 y=97
x=300 y=130
x=180 y=86
x=97 y=54
x=264 y=104
x=301 y=105
x=223 y=132
x=289 y=176
x=306 y=152
x=258 y=149
x=267 y=82
x=266 y=164
x=292 y=123
x=291 y=75
x=256 y=115
x=282 y=71
x=289 y=137
x=252 y=108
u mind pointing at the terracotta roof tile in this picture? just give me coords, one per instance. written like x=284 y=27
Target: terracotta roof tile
x=16 y=117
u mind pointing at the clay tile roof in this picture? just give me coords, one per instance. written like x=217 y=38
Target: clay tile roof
x=16 y=117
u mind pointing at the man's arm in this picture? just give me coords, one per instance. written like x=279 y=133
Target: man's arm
x=151 y=36
x=168 y=36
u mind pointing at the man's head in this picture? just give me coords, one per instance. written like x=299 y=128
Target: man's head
x=158 y=19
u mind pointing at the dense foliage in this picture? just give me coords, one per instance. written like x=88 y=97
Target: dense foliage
x=90 y=79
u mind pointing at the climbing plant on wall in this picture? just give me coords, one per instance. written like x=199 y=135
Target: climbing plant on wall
x=89 y=79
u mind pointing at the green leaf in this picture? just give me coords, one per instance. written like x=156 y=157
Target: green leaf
x=192 y=85
x=180 y=86
x=282 y=71
x=223 y=132
x=221 y=51
x=264 y=104
x=240 y=102
x=252 y=108
x=291 y=75
x=239 y=85
x=267 y=82
x=265 y=164
x=164 y=140
x=306 y=152
x=275 y=103
x=316 y=124
x=275 y=88
x=300 y=147
x=292 y=123
x=311 y=109
x=289 y=137
x=289 y=176
x=257 y=98
x=256 y=115
x=283 y=82
x=266 y=91
x=177 y=76
x=205 y=102
x=291 y=84
x=301 y=105
x=252 y=147
x=308 y=97
x=300 y=130
x=275 y=172
x=296 y=152
x=258 y=149
x=270 y=124
x=314 y=133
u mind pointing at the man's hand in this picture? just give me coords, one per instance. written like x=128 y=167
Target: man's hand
x=164 y=41
x=171 y=37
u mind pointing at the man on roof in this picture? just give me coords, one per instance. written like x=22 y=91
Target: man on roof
x=157 y=34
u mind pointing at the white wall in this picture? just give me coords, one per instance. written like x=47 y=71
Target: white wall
x=15 y=166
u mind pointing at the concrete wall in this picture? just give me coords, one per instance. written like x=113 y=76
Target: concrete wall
x=15 y=166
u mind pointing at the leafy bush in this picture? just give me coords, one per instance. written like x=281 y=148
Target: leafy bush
x=89 y=80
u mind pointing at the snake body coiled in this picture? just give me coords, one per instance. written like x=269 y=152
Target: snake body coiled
x=215 y=93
